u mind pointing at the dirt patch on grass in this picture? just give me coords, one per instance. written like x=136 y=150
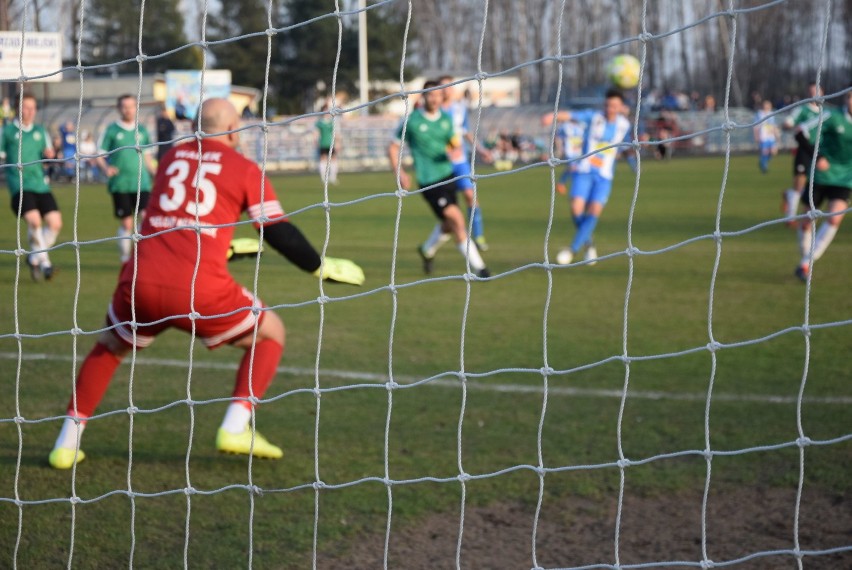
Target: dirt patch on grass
x=750 y=524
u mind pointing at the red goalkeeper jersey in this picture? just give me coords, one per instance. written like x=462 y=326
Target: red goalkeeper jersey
x=217 y=186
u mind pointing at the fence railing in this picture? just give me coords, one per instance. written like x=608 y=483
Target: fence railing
x=362 y=141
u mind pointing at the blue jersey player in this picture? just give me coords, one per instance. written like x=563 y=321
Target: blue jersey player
x=456 y=108
x=592 y=180
x=569 y=138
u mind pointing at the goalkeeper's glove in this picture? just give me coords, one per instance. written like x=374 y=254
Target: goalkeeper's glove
x=340 y=271
x=244 y=247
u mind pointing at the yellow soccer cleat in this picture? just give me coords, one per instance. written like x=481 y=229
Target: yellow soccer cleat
x=63 y=457
x=241 y=444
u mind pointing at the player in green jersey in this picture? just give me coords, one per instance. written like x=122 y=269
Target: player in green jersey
x=128 y=170
x=429 y=133
x=803 y=157
x=832 y=182
x=25 y=143
x=327 y=158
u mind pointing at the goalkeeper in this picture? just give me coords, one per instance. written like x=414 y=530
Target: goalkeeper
x=184 y=271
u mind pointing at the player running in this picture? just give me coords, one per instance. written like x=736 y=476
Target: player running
x=429 y=133
x=804 y=154
x=766 y=135
x=180 y=279
x=592 y=181
x=128 y=174
x=25 y=142
x=832 y=182
x=456 y=108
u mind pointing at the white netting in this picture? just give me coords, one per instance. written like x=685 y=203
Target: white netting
x=384 y=281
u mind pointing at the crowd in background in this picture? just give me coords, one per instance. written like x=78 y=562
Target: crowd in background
x=666 y=114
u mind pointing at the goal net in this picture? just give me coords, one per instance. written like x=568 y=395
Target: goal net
x=664 y=394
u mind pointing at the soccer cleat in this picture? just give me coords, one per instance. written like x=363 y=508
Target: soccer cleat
x=241 y=444
x=481 y=244
x=484 y=273
x=47 y=271
x=427 y=261
x=802 y=272
x=591 y=255
x=63 y=457
x=565 y=256
x=35 y=271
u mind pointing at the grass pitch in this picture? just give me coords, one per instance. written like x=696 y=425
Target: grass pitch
x=681 y=294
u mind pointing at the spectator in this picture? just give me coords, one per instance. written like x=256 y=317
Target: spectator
x=7 y=113
x=165 y=132
x=68 y=143
x=89 y=166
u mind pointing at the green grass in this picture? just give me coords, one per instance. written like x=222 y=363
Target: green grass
x=509 y=332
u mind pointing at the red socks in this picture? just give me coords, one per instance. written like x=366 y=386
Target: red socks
x=93 y=380
x=100 y=366
x=267 y=355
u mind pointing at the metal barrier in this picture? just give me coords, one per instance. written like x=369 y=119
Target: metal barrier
x=362 y=141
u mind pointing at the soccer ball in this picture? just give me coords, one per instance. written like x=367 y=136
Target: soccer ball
x=564 y=257
x=623 y=71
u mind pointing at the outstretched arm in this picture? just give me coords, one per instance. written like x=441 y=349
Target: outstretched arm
x=560 y=117
x=287 y=240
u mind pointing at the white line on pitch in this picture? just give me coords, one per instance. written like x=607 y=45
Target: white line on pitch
x=471 y=384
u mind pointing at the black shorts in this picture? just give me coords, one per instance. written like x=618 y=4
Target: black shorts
x=44 y=202
x=440 y=195
x=124 y=203
x=323 y=151
x=802 y=161
x=823 y=193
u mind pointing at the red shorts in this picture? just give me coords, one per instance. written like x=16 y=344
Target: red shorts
x=224 y=312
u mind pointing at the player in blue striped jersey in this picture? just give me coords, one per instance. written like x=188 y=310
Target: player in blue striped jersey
x=569 y=138
x=592 y=181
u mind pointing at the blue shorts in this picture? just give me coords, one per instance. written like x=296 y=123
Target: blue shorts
x=462 y=169
x=591 y=187
x=766 y=147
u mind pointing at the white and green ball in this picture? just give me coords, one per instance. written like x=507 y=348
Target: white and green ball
x=623 y=71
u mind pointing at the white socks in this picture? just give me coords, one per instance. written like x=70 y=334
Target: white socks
x=37 y=242
x=124 y=245
x=805 y=238
x=792 y=198
x=824 y=235
x=48 y=236
x=435 y=240
x=472 y=255
x=69 y=434
x=236 y=418
x=332 y=170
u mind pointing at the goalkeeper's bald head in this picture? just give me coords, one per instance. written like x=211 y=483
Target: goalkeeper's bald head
x=218 y=118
